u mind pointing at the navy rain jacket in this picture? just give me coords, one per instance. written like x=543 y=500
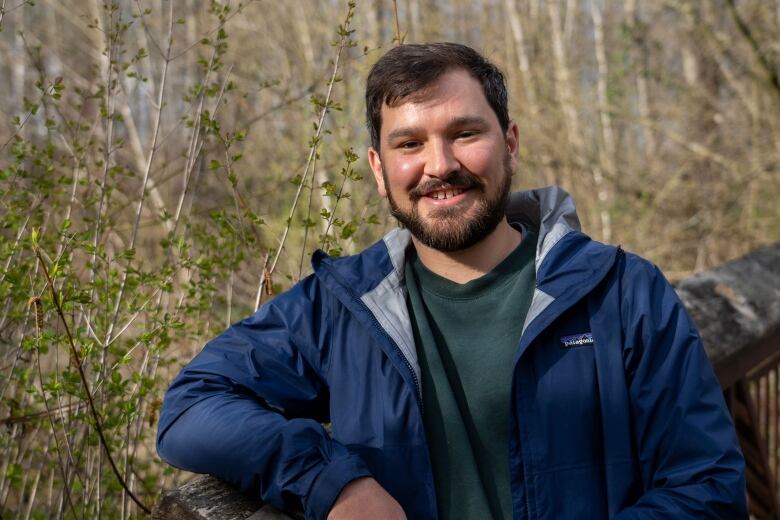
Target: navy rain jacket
x=626 y=423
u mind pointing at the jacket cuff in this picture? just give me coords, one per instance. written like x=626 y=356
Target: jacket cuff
x=329 y=483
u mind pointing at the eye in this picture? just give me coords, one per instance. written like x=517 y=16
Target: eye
x=465 y=134
x=409 y=145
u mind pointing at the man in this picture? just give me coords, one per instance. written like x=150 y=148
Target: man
x=487 y=361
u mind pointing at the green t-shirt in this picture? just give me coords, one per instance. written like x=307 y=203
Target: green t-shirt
x=466 y=337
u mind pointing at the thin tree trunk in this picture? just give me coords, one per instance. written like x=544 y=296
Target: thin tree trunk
x=562 y=87
x=607 y=151
x=300 y=20
x=563 y=80
x=36 y=480
x=570 y=20
x=523 y=62
x=639 y=54
x=415 y=22
x=373 y=33
x=19 y=66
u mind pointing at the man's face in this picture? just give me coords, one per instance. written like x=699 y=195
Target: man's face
x=445 y=163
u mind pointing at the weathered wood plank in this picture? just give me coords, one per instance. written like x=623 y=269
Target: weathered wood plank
x=206 y=498
x=737 y=310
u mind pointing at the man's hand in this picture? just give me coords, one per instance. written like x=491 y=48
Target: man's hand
x=365 y=498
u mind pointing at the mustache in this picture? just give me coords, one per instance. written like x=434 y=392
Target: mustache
x=458 y=179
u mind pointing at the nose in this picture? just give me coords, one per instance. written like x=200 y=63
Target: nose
x=440 y=159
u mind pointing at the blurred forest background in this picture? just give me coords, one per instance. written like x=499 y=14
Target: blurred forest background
x=165 y=167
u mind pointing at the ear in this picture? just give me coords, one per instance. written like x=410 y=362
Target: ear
x=512 y=139
x=375 y=162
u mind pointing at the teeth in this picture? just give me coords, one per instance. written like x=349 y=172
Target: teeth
x=446 y=194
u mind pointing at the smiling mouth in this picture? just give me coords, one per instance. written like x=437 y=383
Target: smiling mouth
x=446 y=194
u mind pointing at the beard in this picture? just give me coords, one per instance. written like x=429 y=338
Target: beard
x=448 y=229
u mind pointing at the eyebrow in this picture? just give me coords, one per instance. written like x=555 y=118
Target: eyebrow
x=408 y=131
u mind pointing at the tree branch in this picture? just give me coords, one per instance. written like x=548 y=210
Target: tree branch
x=77 y=361
x=769 y=67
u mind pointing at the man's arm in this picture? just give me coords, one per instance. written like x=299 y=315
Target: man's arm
x=247 y=409
x=689 y=455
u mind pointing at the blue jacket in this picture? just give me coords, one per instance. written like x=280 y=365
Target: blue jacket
x=628 y=422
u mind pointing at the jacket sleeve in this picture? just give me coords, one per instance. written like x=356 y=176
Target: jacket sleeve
x=690 y=459
x=248 y=408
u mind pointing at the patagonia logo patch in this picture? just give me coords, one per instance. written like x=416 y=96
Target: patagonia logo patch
x=577 y=340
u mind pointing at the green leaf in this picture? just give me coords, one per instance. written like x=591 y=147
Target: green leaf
x=329 y=188
x=127 y=254
x=348 y=230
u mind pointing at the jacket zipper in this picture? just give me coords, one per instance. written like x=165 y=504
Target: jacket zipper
x=359 y=303
x=418 y=390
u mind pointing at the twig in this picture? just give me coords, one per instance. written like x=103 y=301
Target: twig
x=194 y=146
x=152 y=150
x=34 y=486
x=229 y=299
x=215 y=29
x=769 y=67
x=129 y=351
x=11 y=255
x=132 y=318
x=110 y=107
x=3 y=10
x=238 y=200
x=16 y=419
x=268 y=271
x=399 y=40
x=46 y=92
x=77 y=361
x=278 y=106
x=335 y=205
x=308 y=219
x=149 y=34
x=35 y=302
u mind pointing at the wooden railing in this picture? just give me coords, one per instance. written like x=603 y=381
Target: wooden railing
x=763 y=391
x=207 y=498
x=737 y=309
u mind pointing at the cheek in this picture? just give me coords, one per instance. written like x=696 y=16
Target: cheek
x=480 y=159
x=404 y=173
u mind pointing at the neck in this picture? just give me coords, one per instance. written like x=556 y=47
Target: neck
x=468 y=264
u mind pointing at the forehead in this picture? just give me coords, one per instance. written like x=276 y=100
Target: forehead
x=453 y=76
x=455 y=94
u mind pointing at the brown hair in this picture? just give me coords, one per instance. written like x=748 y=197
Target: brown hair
x=406 y=71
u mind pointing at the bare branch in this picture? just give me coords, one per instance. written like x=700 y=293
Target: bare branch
x=343 y=43
x=766 y=63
